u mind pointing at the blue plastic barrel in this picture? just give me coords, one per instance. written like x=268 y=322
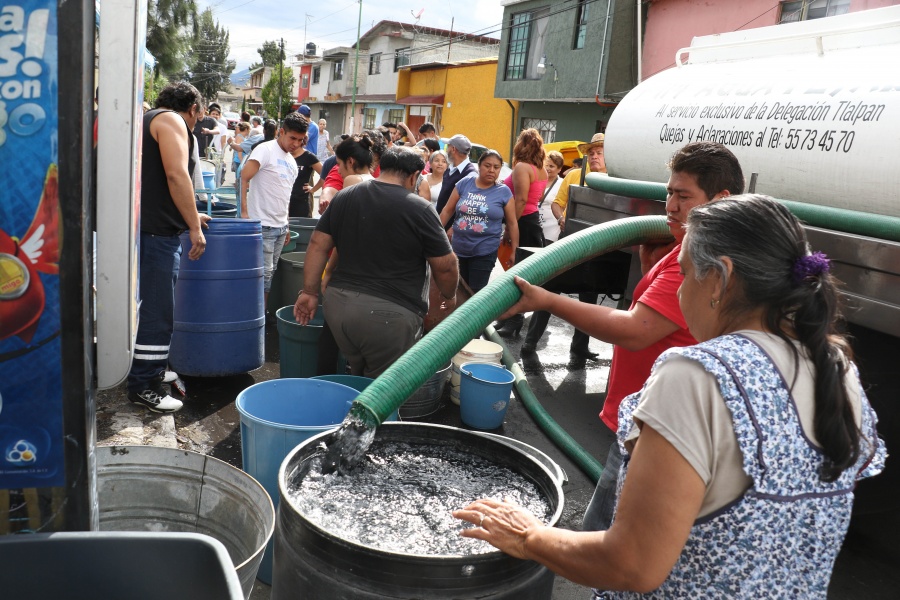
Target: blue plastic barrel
x=484 y=394
x=276 y=416
x=219 y=311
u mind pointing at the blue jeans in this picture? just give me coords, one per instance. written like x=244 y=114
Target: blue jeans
x=476 y=270
x=599 y=513
x=160 y=257
x=273 y=242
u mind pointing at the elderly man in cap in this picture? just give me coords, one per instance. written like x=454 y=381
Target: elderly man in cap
x=313 y=132
x=458 y=154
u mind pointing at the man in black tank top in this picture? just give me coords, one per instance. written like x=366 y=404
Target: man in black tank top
x=167 y=210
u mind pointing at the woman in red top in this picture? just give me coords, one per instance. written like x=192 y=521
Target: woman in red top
x=527 y=181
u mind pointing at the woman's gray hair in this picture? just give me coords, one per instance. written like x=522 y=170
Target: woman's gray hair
x=437 y=153
x=760 y=236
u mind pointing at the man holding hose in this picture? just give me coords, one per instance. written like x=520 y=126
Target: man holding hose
x=700 y=172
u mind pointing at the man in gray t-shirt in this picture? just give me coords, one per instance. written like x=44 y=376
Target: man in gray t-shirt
x=390 y=242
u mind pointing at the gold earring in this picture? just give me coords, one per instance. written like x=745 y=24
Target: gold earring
x=713 y=303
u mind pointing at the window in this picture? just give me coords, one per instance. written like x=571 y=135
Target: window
x=375 y=64
x=526 y=44
x=803 y=10
x=317 y=73
x=581 y=19
x=546 y=127
x=338 y=71
x=304 y=80
x=401 y=58
x=519 y=31
x=369 y=118
x=395 y=115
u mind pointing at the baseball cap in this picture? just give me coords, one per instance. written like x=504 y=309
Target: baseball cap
x=461 y=143
x=304 y=110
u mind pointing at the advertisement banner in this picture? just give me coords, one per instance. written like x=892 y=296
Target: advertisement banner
x=31 y=428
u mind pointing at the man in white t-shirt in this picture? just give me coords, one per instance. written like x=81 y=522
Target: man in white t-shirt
x=272 y=169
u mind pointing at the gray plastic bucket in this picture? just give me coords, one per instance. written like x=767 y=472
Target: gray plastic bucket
x=291 y=268
x=150 y=489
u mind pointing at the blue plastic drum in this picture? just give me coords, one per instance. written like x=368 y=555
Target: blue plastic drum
x=219 y=309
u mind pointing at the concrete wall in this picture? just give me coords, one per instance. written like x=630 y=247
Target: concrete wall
x=573 y=121
x=672 y=24
x=576 y=70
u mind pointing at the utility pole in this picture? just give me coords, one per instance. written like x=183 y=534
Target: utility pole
x=280 y=79
x=355 y=69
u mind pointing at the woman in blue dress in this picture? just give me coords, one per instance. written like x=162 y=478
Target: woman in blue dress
x=477 y=209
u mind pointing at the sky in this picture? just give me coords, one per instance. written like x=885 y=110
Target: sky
x=331 y=23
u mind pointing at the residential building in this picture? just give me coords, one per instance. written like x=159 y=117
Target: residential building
x=672 y=24
x=331 y=87
x=252 y=92
x=390 y=46
x=461 y=99
x=567 y=62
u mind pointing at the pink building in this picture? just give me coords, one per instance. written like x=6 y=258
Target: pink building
x=671 y=24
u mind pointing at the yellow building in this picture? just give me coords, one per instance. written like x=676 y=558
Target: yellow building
x=459 y=98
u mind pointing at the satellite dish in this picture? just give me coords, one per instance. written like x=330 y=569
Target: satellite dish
x=417 y=15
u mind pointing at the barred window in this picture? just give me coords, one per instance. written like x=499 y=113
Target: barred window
x=546 y=127
x=516 y=57
x=369 y=118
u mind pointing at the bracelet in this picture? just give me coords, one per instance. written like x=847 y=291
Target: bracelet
x=308 y=294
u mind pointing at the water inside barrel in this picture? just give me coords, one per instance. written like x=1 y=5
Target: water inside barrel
x=400 y=496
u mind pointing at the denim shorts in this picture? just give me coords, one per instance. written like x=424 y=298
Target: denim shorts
x=273 y=242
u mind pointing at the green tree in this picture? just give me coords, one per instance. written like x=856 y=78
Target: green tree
x=170 y=27
x=270 y=54
x=270 y=93
x=153 y=85
x=210 y=68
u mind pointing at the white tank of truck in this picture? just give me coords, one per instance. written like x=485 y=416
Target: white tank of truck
x=812 y=107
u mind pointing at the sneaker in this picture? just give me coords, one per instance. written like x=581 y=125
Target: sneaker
x=169 y=376
x=155 y=400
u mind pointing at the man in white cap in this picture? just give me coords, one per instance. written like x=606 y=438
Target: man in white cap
x=313 y=132
x=458 y=154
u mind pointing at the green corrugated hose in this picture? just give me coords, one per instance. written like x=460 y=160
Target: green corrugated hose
x=880 y=227
x=394 y=386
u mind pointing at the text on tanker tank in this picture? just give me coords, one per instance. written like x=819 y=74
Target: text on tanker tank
x=819 y=115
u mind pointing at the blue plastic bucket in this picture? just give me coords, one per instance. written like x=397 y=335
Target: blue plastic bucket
x=219 y=316
x=209 y=180
x=276 y=416
x=298 y=344
x=484 y=394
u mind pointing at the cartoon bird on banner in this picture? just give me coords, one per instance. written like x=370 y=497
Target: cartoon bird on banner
x=21 y=290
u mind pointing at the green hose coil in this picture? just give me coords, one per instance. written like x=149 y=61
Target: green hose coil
x=880 y=227
x=400 y=380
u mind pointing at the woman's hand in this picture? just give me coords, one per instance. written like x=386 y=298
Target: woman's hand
x=533 y=298
x=504 y=525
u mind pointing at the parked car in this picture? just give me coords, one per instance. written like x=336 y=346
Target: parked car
x=232 y=118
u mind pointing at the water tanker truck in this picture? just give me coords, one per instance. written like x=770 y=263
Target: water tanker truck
x=812 y=111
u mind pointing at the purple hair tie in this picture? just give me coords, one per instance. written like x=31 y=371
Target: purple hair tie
x=811 y=265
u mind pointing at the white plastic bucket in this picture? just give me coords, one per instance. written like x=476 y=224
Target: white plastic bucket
x=476 y=351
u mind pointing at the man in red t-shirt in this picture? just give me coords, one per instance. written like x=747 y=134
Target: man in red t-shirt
x=700 y=172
